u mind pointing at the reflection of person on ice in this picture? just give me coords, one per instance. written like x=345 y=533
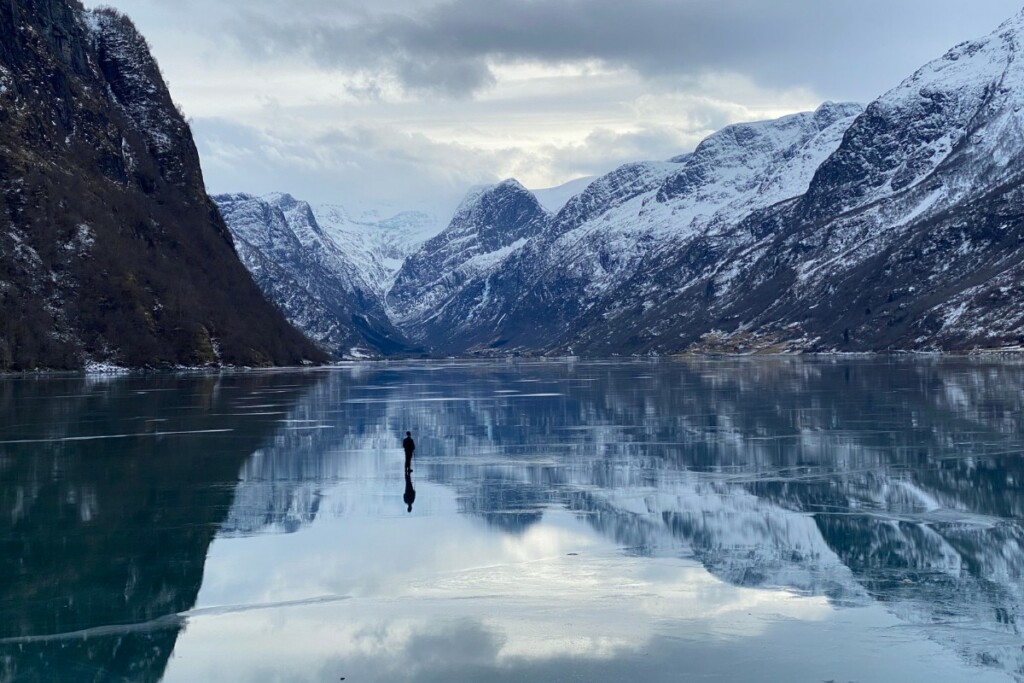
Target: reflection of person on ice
x=409 y=445
x=410 y=492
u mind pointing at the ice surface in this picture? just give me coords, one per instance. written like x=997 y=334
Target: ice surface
x=857 y=518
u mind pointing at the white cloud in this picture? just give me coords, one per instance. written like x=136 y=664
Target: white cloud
x=419 y=100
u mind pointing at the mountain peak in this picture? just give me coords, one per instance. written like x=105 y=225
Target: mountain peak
x=739 y=156
x=830 y=112
x=510 y=184
x=965 y=103
x=491 y=205
x=491 y=225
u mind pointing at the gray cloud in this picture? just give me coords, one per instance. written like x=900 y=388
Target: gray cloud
x=354 y=166
x=307 y=96
x=839 y=48
x=603 y=150
x=378 y=165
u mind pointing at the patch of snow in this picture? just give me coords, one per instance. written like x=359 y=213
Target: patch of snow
x=356 y=353
x=953 y=316
x=554 y=198
x=489 y=261
x=97 y=368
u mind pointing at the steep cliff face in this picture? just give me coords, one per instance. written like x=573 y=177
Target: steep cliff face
x=110 y=248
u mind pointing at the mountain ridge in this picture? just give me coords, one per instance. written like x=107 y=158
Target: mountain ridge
x=846 y=229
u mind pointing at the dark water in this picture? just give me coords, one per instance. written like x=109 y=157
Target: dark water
x=762 y=520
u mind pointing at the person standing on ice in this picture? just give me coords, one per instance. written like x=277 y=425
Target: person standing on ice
x=409 y=445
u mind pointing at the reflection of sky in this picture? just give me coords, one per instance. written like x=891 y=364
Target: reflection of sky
x=373 y=593
x=437 y=594
x=778 y=519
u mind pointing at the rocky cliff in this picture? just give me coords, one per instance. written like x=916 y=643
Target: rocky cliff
x=110 y=249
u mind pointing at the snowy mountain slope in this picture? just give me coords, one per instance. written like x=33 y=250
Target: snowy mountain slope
x=379 y=247
x=909 y=236
x=603 y=235
x=444 y=284
x=554 y=198
x=962 y=106
x=301 y=267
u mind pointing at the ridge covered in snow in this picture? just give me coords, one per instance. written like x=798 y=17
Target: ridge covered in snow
x=491 y=224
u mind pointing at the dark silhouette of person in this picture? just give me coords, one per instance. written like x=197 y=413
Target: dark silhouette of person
x=410 y=492
x=410 y=446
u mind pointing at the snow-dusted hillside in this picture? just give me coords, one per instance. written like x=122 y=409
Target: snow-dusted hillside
x=376 y=246
x=444 y=285
x=602 y=236
x=908 y=236
x=330 y=280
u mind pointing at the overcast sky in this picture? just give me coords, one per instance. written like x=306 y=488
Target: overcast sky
x=411 y=102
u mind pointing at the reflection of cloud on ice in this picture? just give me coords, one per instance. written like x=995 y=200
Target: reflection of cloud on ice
x=474 y=598
x=689 y=625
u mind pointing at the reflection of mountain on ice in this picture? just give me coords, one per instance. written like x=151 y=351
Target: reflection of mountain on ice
x=787 y=475
x=106 y=524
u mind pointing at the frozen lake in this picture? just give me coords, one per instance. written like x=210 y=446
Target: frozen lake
x=772 y=519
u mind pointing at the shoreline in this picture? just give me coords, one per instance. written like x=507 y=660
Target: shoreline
x=111 y=371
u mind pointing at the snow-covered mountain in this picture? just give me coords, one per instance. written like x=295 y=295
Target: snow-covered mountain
x=603 y=235
x=907 y=237
x=377 y=246
x=846 y=228
x=444 y=286
x=329 y=281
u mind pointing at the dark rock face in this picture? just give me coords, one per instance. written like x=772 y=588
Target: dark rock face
x=110 y=248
